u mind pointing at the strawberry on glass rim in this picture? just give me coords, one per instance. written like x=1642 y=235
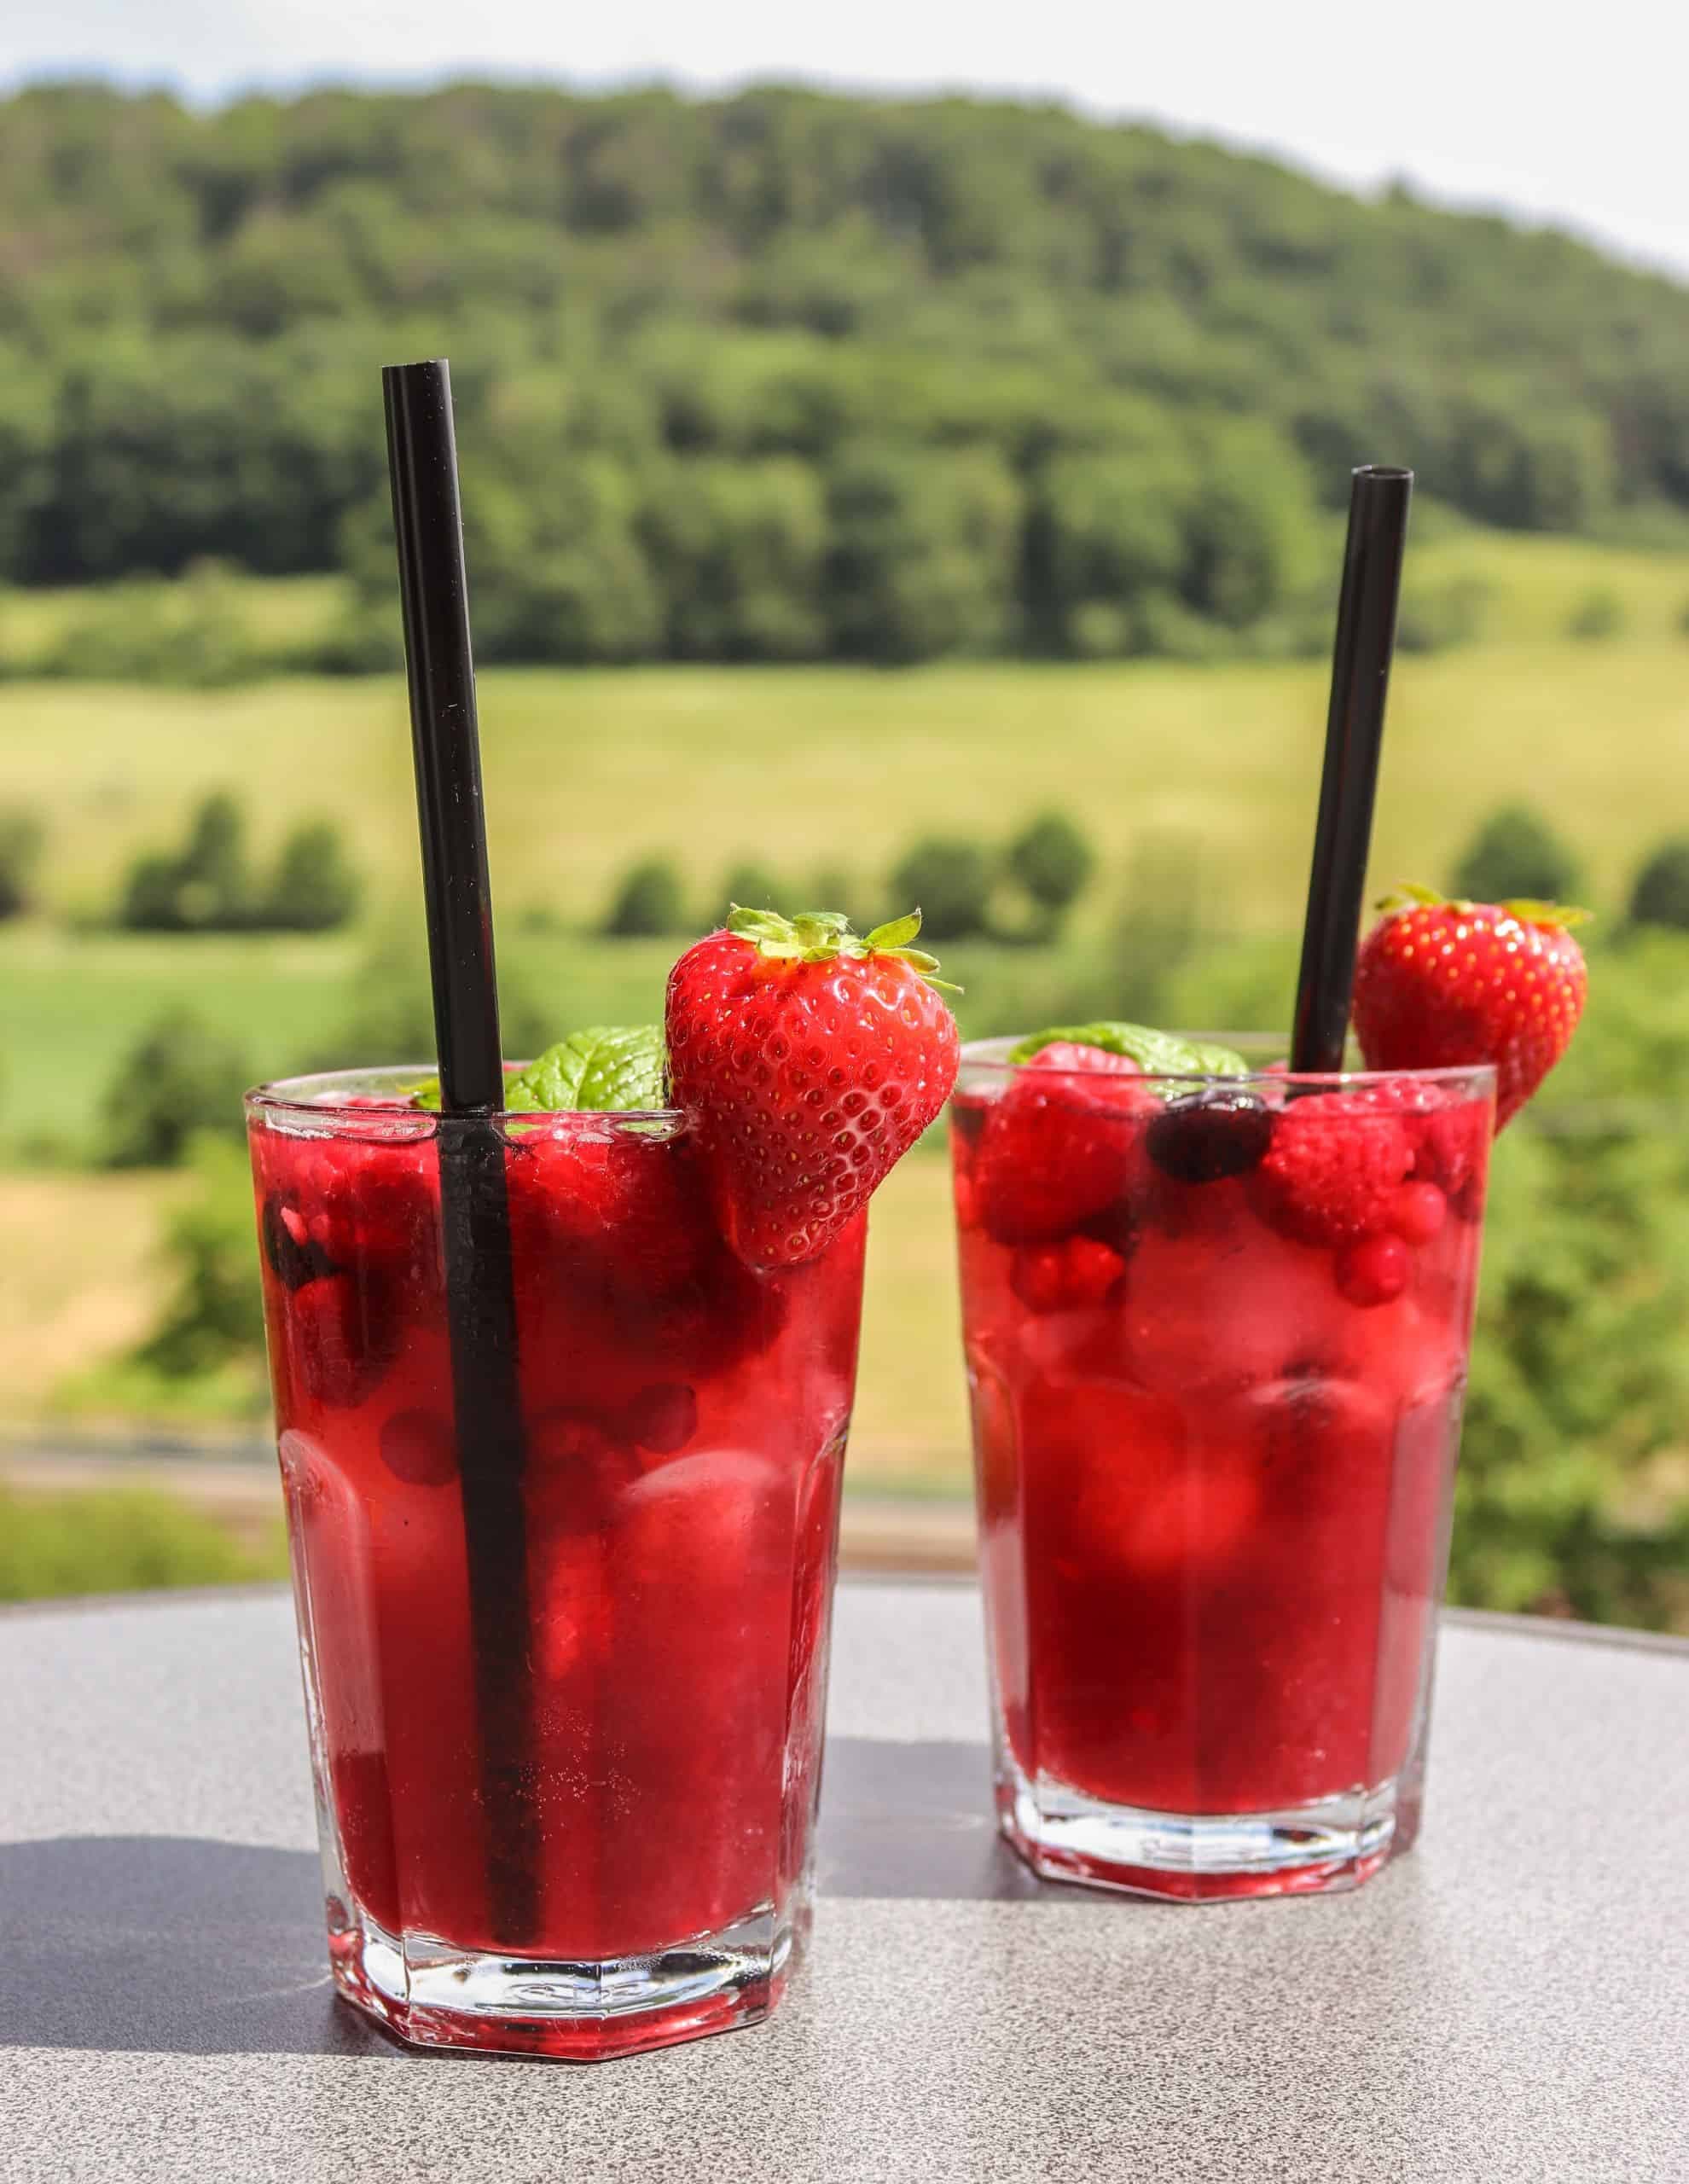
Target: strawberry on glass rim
x=1442 y=984
x=807 y=1060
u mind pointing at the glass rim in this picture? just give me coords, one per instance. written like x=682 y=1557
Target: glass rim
x=992 y=1056
x=309 y=1101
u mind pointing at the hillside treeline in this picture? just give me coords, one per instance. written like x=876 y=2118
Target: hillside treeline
x=786 y=374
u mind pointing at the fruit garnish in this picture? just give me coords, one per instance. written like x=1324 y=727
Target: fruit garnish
x=1055 y=1153
x=807 y=1060
x=1332 y=1170
x=1374 y=1271
x=1209 y=1136
x=1155 y=1052
x=1066 y=1277
x=611 y=1069
x=1442 y=985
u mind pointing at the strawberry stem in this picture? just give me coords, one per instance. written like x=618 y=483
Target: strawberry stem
x=1409 y=896
x=819 y=936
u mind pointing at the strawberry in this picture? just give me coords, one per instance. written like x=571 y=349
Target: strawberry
x=1332 y=1173
x=1441 y=985
x=1056 y=1149
x=807 y=1062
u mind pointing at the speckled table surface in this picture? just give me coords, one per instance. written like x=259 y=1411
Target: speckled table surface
x=1510 y=2002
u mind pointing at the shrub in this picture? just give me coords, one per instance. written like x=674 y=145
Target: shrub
x=22 y=837
x=203 y=887
x=216 y=1311
x=1160 y=925
x=1435 y=618
x=1660 y=895
x=389 y=1016
x=949 y=879
x=754 y=887
x=114 y=1541
x=1162 y=627
x=649 y=902
x=193 y=634
x=1052 y=862
x=180 y=1078
x=1517 y=854
x=1097 y=628
x=1598 y=615
x=316 y=886
x=364 y=638
x=833 y=887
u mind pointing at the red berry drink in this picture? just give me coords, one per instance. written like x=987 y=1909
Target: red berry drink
x=683 y=1422
x=1217 y=1329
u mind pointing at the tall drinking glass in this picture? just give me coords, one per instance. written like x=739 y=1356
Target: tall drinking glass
x=1217 y=1333
x=595 y=1836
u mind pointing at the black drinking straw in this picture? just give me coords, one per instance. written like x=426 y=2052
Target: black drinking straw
x=1366 y=638
x=474 y=1209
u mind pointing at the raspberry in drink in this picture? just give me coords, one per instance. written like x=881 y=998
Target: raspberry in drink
x=1216 y=1330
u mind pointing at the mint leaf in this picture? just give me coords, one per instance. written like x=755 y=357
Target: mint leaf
x=1153 y=1051
x=605 y=1070
x=1210 y=1060
x=608 y=1070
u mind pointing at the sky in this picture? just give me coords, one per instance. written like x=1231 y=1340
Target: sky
x=1568 y=116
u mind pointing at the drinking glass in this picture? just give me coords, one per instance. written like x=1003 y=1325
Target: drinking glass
x=578 y=1821
x=1216 y=1332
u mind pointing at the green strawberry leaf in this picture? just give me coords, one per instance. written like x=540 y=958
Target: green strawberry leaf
x=897 y=933
x=1564 y=915
x=1154 y=1051
x=819 y=936
x=611 y=1069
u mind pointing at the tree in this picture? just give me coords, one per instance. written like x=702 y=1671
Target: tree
x=1516 y=855
x=203 y=887
x=1251 y=540
x=22 y=837
x=316 y=886
x=215 y=1311
x=1116 y=528
x=1052 y=862
x=182 y=1076
x=833 y=887
x=1660 y=894
x=640 y=282
x=754 y=887
x=923 y=554
x=949 y=881
x=1597 y=615
x=649 y=902
x=737 y=550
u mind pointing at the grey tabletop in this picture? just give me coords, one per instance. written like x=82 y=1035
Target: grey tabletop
x=1510 y=2002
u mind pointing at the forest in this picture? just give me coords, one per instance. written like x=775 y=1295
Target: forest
x=789 y=375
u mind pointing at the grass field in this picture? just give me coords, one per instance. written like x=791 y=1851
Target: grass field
x=804 y=766
x=78 y=1277
x=798 y=768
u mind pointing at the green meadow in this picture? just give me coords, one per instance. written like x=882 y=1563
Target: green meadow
x=1214 y=767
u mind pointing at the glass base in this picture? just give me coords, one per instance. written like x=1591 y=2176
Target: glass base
x=1309 y=1850
x=434 y=1996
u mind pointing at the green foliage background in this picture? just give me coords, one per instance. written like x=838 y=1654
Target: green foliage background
x=785 y=378
x=780 y=375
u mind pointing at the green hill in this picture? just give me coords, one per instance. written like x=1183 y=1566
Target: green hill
x=787 y=374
